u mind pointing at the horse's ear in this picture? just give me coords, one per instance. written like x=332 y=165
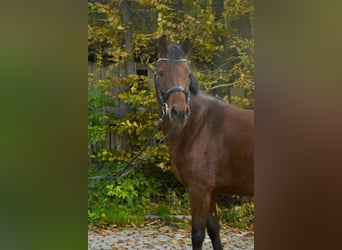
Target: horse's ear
x=194 y=85
x=162 y=49
x=186 y=47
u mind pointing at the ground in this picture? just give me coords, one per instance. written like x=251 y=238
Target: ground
x=162 y=235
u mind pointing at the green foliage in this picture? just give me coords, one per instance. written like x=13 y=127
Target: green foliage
x=239 y=216
x=122 y=201
x=164 y=211
x=243 y=70
x=133 y=191
x=98 y=119
x=178 y=200
x=122 y=216
x=93 y=217
x=236 y=8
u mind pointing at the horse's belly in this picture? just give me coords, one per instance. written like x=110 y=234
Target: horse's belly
x=235 y=190
x=235 y=184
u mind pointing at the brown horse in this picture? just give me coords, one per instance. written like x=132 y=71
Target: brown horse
x=211 y=144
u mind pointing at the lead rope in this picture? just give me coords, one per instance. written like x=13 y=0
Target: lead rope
x=129 y=165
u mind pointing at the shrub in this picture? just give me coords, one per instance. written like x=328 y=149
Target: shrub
x=239 y=216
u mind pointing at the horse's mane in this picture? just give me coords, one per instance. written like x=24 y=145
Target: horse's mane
x=194 y=85
x=212 y=97
x=219 y=99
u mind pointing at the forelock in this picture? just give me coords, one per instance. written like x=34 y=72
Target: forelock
x=175 y=52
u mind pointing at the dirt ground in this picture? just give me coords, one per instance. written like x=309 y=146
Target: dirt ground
x=157 y=235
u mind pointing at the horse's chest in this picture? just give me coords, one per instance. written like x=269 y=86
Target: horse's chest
x=177 y=168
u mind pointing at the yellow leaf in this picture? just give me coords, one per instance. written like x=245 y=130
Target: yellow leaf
x=120 y=27
x=133 y=89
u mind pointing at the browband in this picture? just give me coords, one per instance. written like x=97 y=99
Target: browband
x=167 y=59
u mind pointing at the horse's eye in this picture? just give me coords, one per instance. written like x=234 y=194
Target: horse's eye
x=160 y=73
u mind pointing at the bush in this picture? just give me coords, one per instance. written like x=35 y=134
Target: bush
x=121 y=201
x=136 y=190
x=240 y=216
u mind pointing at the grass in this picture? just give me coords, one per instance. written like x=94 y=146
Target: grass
x=164 y=211
x=122 y=218
x=106 y=211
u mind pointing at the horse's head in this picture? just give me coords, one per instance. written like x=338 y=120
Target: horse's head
x=174 y=81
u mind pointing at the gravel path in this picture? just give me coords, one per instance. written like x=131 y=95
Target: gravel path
x=163 y=236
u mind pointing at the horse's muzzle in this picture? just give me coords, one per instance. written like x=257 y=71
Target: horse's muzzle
x=178 y=116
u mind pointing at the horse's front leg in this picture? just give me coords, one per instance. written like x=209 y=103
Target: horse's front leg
x=213 y=225
x=200 y=203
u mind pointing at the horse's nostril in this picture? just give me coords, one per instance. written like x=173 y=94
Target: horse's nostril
x=174 y=111
x=187 y=111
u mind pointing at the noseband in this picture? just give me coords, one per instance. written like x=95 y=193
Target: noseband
x=165 y=96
